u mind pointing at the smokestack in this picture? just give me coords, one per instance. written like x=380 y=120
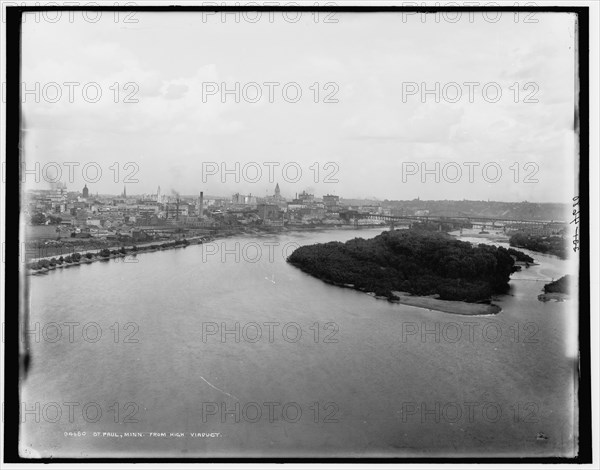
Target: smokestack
x=177 y=214
x=201 y=209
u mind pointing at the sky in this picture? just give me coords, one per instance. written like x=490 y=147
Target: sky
x=371 y=133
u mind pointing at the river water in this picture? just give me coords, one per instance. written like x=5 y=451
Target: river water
x=229 y=340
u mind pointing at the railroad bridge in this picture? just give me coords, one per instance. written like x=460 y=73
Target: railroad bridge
x=462 y=221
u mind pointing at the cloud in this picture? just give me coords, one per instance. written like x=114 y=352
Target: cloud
x=175 y=92
x=153 y=109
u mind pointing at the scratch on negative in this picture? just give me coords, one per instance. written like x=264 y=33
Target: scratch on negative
x=217 y=388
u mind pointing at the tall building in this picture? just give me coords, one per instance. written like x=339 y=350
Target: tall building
x=276 y=198
x=200 y=209
x=124 y=190
x=158 y=194
x=86 y=191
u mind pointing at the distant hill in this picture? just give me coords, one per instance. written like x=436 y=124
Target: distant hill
x=513 y=210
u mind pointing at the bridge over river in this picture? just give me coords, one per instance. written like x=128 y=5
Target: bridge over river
x=464 y=221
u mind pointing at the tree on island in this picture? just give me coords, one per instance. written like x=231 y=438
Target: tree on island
x=548 y=245
x=560 y=286
x=417 y=261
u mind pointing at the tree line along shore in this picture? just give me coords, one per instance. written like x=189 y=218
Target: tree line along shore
x=551 y=245
x=42 y=266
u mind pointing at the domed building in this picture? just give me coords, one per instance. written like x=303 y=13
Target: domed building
x=86 y=191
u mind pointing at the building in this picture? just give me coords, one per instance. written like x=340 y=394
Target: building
x=57 y=198
x=269 y=211
x=331 y=201
x=398 y=212
x=139 y=235
x=176 y=210
x=85 y=192
x=371 y=209
x=93 y=221
x=304 y=199
x=240 y=199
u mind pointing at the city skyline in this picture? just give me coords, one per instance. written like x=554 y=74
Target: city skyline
x=172 y=194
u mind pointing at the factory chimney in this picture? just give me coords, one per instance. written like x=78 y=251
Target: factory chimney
x=201 y=204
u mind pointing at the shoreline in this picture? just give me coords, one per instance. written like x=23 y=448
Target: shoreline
x=159 y=245
x=553 y=296
x=456 y=307
x=430 y=302
x=144 y=248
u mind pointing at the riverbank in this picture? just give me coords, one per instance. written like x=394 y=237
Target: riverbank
x=554 y=296
x=448 y=306
x=67 y=245
x=431 y=302
x=45 y=265
x=151 y=246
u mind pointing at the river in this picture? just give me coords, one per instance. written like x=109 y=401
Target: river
x=229 y=340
